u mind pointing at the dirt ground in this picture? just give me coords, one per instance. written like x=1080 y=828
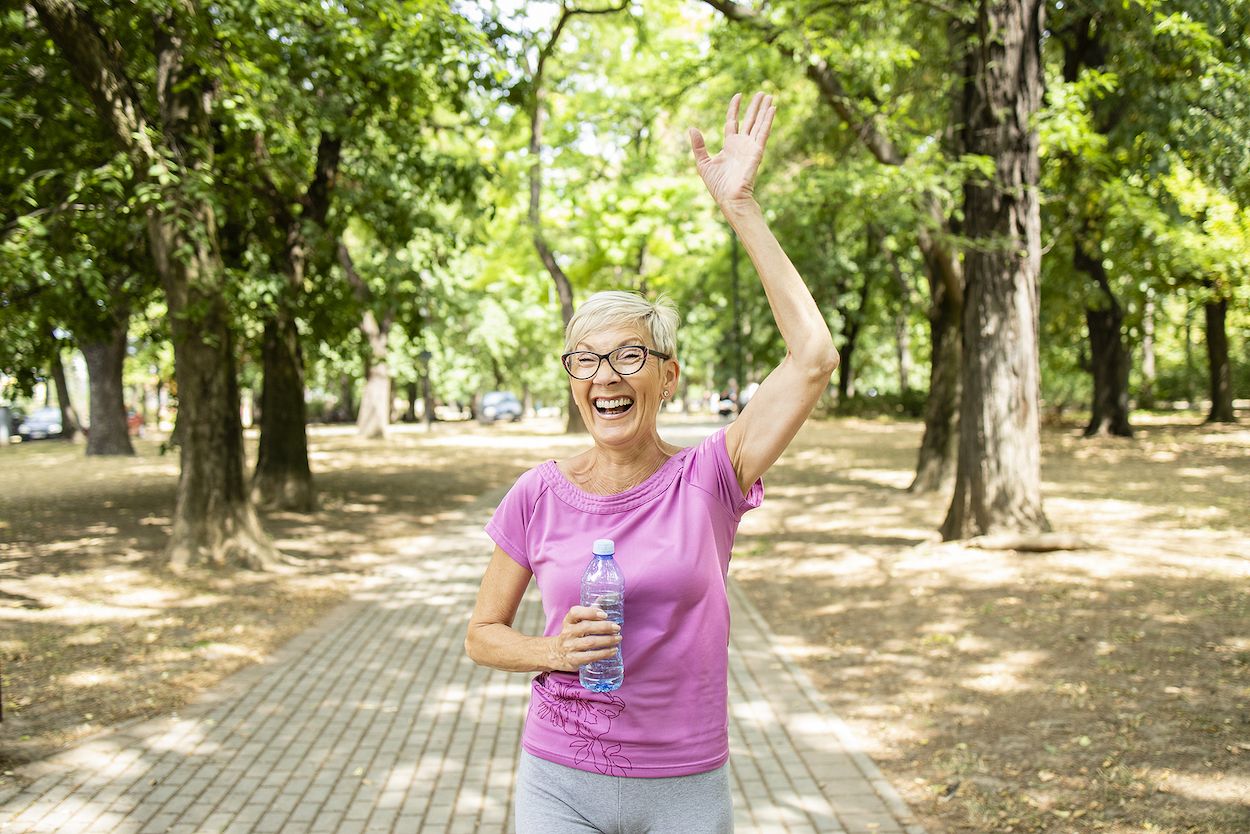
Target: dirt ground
x=94 y=630
x=1096 y=690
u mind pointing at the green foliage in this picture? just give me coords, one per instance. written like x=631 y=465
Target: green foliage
x=1144 y=163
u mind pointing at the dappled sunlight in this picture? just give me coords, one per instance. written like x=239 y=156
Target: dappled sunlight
x=91 y=677
x=1008 y=673
x=1203 y=786
x=1047 y=677
x=1042 y=682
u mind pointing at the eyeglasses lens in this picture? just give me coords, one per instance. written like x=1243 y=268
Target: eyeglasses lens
x=585 y=364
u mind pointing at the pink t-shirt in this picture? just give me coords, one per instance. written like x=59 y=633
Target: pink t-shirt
x=673 y=535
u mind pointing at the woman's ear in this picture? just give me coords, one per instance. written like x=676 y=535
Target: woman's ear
x=672 y=372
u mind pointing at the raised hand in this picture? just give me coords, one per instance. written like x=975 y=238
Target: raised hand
x=730 y=175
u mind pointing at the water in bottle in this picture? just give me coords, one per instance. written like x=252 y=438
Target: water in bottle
x=604 y=587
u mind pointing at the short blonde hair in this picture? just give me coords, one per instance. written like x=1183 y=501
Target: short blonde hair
x=614 y=308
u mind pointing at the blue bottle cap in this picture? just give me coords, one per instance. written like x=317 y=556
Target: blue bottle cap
x=604 y=547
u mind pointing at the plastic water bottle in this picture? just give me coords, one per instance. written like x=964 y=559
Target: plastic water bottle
x=604 y=587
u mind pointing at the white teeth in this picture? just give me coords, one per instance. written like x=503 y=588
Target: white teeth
x=617 y=403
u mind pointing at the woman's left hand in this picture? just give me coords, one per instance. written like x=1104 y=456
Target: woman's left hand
x=730 y=175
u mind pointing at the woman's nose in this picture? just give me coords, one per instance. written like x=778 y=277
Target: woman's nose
x=605 y=373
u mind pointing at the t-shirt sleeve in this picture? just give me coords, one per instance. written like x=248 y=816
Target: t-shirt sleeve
x=512 y=517
x=711 y=470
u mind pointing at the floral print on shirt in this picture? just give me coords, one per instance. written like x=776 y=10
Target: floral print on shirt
x=564 y=704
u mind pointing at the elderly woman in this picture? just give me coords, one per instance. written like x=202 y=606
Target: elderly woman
x=652 y=755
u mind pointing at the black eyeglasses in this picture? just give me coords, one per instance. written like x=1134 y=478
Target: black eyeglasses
x=625 y=360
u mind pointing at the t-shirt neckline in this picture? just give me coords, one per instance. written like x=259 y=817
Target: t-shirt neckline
x=635 y=496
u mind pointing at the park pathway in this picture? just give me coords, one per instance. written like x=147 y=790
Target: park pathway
x=375 y=721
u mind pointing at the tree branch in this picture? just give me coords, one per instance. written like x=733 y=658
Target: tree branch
x=827 y=81
x=97 y=64
x=359 y=287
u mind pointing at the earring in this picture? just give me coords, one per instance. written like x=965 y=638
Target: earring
x=664 y=396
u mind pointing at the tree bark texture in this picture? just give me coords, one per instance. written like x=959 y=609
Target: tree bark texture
x=214 y=523
x=110 y=434
x=1217 y=359
x=998 y=478
x=375 y=402
x=939 y=447
x=1109 y=358
x=282 y=479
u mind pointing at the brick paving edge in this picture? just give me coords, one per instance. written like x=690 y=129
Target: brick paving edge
x=846 y=736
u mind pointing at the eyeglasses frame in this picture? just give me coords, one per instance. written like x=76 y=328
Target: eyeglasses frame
x=602 y=356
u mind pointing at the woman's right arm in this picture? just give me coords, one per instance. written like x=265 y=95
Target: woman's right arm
x=491 y=641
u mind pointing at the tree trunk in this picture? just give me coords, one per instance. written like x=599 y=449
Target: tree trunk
x=427 y=396
x=1109 y=358
x=1146 y=396
x=375 y=404
x=846 y=362
x=283 y=479
x=411 y=391
x=998 y=478
x=71 y=423
x=936 y=462
x=213 y=523
x=574 y=423
x=346 y=409
x=1217 y=358
x=110 y=434
x=902 y=318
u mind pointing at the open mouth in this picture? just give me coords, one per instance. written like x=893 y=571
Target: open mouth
x=614 y=406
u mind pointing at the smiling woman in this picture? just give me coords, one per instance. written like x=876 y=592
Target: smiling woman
x=660 y=742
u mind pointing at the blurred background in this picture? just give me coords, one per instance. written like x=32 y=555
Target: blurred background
x=397 y=198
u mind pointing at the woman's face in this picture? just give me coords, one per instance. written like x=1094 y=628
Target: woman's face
x=620 y=410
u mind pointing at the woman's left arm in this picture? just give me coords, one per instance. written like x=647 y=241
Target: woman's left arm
x=787 y=396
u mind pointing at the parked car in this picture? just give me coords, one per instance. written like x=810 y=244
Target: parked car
x=41 y=423
x=499 y=405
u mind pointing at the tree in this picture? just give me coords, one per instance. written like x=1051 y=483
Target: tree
x=73 y=269
x=856 y=102
x=214 y=523
x=535 y=104
x=998 y=479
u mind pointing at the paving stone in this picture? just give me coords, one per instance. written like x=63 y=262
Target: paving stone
x=374 y=720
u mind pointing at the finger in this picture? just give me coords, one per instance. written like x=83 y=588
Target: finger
x=753 y=109
x=759 y=107
x=765 y=126
x=596 y=642
x=579 y=613
x=583 y=656
x=731 y=118
x=698 y=146
x=586 y=627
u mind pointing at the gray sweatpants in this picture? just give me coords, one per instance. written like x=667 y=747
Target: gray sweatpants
x=554 y=799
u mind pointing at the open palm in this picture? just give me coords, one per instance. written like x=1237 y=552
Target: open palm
x=730 y=175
